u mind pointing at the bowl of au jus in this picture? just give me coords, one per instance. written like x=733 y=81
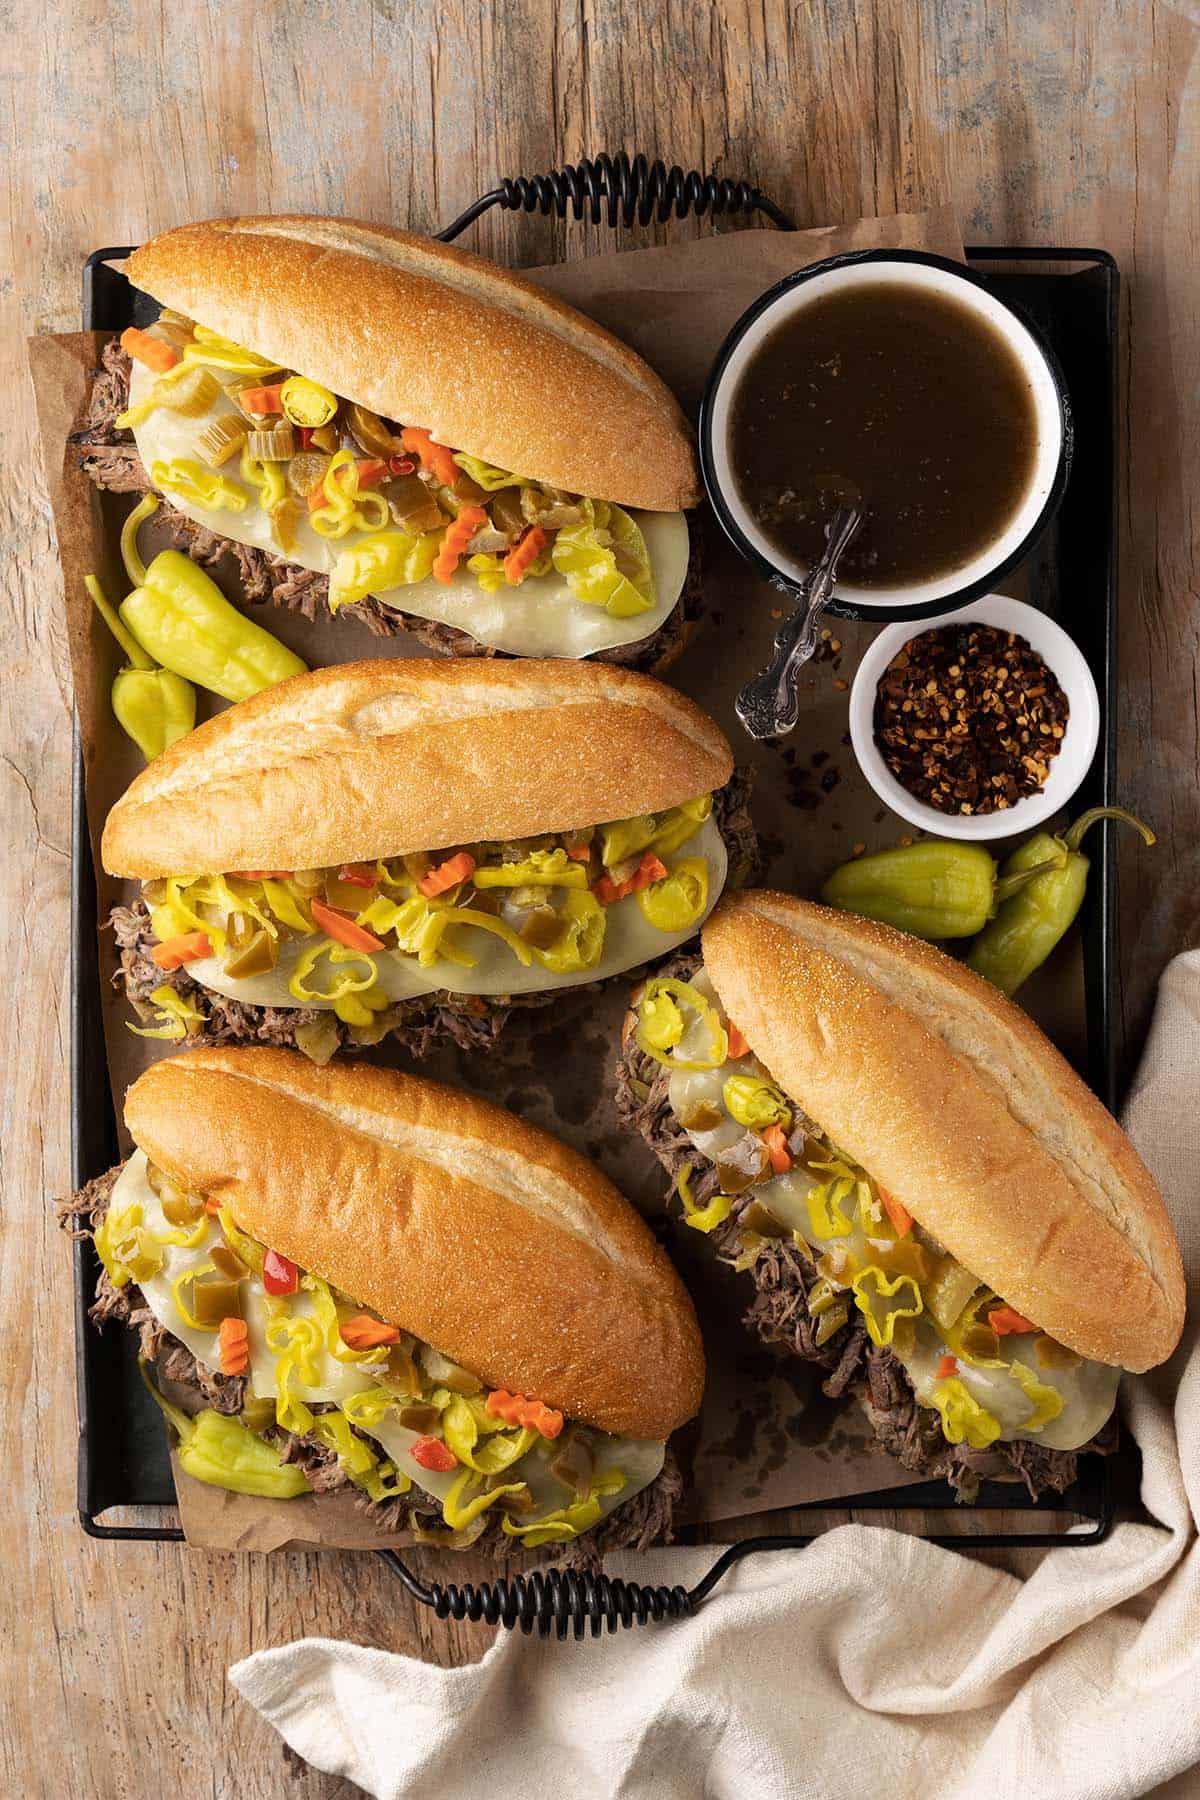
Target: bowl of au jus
x=899 y=383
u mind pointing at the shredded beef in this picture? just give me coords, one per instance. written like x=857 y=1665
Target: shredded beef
x=109 y=457
x=913 y=1434
x=778 y=1313
x=79 y=1214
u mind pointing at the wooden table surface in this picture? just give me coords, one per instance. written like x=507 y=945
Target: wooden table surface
x=1040 y=123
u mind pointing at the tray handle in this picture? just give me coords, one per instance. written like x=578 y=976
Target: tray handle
x=580 y=1599
x=620 y=190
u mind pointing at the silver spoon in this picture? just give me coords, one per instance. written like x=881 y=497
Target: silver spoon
x=769 y=704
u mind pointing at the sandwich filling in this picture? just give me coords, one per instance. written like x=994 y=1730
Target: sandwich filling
x=264 y=456
x=310 y=1378
x=775 y=1185
x=350 y=944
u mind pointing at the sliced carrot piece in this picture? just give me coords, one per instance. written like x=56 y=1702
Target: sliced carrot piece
x=154 y=353
x=233 y=1340
x=1006 y=1321
x=447 y=874
x=434 y=457
x=650 y=869
x=261 y=400
x=172 y=953
x=901 y=1218
x=525 y=551
x=781 y=1157
x=342 y=928
x=459 y=533
x=362 y=1332
x=515 y=1409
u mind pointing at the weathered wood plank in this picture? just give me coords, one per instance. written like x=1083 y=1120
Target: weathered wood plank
x=1040 y=123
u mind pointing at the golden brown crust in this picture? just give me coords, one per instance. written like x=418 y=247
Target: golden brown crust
x=379 y=758
x=479 y=1233
x=956 y=1103
x=433 y=336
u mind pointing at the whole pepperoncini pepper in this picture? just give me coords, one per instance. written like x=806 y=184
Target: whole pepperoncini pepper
x=153 y=706
x=223 y=1452
x=1027 y=927
x=932 y=889
x=182 y=617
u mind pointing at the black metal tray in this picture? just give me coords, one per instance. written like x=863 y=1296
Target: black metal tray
x=1072 y=295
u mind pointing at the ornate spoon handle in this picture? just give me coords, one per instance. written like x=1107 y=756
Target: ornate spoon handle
x=769 y=704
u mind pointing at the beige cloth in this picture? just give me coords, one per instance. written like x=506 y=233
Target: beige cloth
x=869 y=1664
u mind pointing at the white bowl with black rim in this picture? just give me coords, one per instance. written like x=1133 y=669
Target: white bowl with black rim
x=1066 y=662
x=1049 y=462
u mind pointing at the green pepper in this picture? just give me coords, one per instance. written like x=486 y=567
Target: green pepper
x=153 y=706
x=182 y=617
x=1029 y=924
x=224 y=1452
x=932 y=889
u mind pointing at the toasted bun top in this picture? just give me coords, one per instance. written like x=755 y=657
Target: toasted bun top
x=371 y=759
x=432 y=336
x=484 y=1236
x=954 y=1101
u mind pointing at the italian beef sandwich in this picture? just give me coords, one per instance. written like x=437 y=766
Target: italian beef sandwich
x=349 y=1278
x=373 y=424
x=414 y=848
x=931 y=1204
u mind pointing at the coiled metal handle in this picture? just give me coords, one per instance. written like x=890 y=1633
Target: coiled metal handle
x=551 y=1599
x=619 y=190
x=555 y=1599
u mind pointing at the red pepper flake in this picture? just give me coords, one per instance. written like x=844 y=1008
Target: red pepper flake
x=401 y=465
x=969 y=718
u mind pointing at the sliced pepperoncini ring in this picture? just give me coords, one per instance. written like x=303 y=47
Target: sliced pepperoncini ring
x=679 y=899
x=657 y=1032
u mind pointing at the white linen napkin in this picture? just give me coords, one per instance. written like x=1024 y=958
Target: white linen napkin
x=870 y=1663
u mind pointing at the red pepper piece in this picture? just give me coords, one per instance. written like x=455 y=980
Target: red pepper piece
x=431 y=1453
x=357 y=874
x=371 y=471
x=280 y=1274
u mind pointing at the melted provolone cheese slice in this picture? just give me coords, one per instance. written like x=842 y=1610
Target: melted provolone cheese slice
x=629 y=940
x=539 y=617
x=1088 y=1389
x=337 y=1379
x=639 y=1460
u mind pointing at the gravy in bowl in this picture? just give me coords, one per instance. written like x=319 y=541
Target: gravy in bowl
x=900 y=399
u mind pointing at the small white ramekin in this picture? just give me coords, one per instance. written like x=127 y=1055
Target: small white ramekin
x=1061 y=655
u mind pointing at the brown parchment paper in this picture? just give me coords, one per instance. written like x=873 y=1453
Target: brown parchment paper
x=766 y=1438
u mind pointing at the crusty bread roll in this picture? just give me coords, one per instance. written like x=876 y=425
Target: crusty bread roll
x=371 y=759
x=435 y=337
x=482 y=1235
x=954 y=1101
